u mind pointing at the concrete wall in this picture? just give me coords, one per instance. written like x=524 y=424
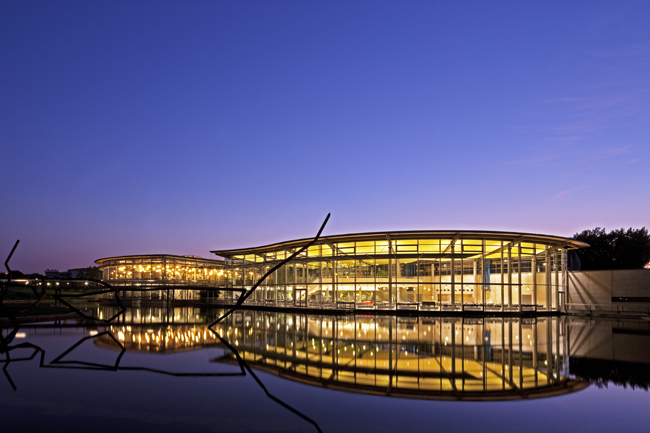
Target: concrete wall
x=598 y=287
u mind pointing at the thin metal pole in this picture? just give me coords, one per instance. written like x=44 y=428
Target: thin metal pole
x=557 y=280
x=509 y=276
x=548 y=278
x=503 y=287
x=519 y=285
x=453 y=278
x=533 y=263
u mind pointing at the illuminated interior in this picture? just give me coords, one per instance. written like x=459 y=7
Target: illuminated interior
x=162 y=270
x=446 y=271
x=163 y=267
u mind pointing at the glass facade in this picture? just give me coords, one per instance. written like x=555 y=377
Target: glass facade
x=450 y=271
x=142 y=273
x=161 y=268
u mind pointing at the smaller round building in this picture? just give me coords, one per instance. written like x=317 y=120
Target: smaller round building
x=164 y=271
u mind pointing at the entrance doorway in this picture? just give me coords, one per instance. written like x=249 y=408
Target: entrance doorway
x=301 y=297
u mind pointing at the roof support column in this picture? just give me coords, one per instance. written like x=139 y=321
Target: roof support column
x=565 y=279
x=557 y=279
x=509 y=276
x=533 y=264
x=476 y=278
x=453 y=279
x=485 y=276
x=335 y=285
x=390 y=273
x=519 y=285
x=320 y=282
x=548 y=278
x=462 y=284
x=503 y=286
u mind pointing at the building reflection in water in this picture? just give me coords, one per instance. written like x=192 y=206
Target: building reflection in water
x=416 y=357
x=161 y=339
x=439 y=358
x=154 y=315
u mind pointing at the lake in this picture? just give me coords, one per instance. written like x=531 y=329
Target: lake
x=160 y=369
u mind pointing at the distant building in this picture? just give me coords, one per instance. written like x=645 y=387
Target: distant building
x=77 y=272
x=69 y=274
x=55 y=274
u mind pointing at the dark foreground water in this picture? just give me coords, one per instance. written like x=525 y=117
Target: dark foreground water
x=164 y=370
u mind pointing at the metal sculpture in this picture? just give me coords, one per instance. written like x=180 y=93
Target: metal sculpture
x=11 y=313
x=246 y=295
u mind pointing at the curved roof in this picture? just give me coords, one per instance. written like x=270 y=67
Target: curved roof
x=411 y=234
x=150 y=256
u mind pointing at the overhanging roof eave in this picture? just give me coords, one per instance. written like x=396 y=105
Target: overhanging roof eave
x=398 y=235
x=141 y=256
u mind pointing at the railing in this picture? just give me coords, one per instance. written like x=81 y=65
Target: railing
x=385 y=305
x=607 y=308
x=408 y=306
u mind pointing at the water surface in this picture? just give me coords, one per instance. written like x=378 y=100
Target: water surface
x=164 y=370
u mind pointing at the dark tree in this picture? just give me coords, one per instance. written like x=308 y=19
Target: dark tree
x=618 y=249
x=90 y=272
x=631 y=248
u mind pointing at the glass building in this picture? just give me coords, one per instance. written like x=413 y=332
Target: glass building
x=419 y=270
x=175 y=276
x=157 y=268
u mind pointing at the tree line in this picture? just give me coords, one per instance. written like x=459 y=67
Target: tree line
x=92 y=272
x=618 y=249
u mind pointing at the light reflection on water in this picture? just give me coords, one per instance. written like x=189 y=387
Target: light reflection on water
x=316 y=356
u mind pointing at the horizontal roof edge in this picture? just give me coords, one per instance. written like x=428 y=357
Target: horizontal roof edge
x=402 y=235
x=140 y=256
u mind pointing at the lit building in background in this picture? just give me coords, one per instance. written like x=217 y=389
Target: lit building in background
x=186 y=274
x=420 y=270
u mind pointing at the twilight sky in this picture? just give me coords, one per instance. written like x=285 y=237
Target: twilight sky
x=181 y=127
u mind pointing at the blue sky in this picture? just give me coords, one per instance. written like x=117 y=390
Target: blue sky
x=181 y=127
